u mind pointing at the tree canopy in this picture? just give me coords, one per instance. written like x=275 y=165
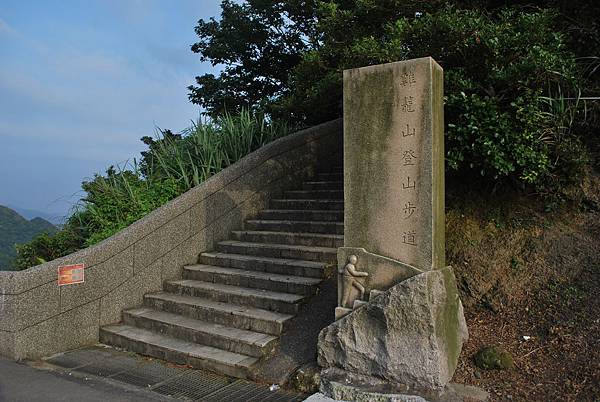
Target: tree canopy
x=509 y=66
x=258 y=43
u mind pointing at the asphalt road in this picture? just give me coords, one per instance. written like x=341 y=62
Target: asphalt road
x=23 y=383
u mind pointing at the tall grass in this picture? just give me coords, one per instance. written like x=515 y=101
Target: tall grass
x=173 y=164
x=206 y=148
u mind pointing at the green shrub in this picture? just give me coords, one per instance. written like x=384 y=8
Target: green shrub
x=47 y=247
x=118 y=199
x=173 y=164
x=499 y=70
x=502 y=65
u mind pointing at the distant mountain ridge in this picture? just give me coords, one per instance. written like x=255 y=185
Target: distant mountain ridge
x=54 y=218
x=15 y=229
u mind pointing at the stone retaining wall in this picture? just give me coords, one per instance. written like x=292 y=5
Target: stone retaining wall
x=39 y=318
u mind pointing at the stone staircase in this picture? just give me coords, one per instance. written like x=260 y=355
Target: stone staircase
x=227 y=313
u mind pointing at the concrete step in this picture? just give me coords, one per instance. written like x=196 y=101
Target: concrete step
x=301 y=215
x=296 y=226
x=219 y=336
x=260 y=298
x=282 y=266
x=323 y=185
x=337 y=205
x=304 y=239
x=178 y=351
x=252 y=279
x=314 y=195
x=228 y=311
x=231 y=315
x=308 y=253
x=331 y=176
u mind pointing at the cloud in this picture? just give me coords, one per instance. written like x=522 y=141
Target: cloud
x=90 y=63
x=5 y=28
x=80 y=86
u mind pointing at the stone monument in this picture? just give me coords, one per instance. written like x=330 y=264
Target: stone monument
x=399 y=325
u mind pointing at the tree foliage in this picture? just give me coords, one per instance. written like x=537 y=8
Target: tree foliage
x=258 y=42
x=507 y=66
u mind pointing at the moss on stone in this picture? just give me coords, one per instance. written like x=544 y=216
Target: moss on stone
x=369 y=124
x=493 y=358
x=307 y=378
x=448 y=320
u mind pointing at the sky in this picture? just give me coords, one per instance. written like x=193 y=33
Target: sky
x=81 y=82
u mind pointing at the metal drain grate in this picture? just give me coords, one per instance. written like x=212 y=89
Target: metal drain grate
x=244 y=391
x=207 y=387
x=193 y=385
x=108 y=366
x=177 y=382
x=147 y=374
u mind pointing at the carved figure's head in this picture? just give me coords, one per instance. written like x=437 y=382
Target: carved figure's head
x=352 y=259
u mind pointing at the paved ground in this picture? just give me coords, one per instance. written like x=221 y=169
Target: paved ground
x=105 y=374
x=23 y=383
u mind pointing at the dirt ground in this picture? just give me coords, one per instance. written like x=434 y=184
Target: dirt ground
x=529 y=277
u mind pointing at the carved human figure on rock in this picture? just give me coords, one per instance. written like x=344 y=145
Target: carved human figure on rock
x=348 y=275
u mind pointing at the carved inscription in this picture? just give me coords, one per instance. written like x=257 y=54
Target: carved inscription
x=409 y=238
x=408 y=105
x=408 y=78
x=409 y=157
x=409 y=132
x=409 y=209
x=409 y=183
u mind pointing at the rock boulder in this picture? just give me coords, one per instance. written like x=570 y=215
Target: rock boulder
x=410 y=335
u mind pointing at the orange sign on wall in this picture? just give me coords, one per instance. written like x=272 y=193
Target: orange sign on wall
x=71 y=274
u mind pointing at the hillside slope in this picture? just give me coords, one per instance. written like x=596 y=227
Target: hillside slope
x=529 y=277
x=14 y=229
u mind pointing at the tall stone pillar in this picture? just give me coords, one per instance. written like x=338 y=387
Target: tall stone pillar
x=399 y=316
x=394 y=161
x=393 y=177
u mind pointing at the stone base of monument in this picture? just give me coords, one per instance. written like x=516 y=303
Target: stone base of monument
x=343 y=311
x=339 y=385
x=410 y=334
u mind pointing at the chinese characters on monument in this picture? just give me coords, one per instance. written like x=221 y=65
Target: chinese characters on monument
x=409 y=159
x=394 y=163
